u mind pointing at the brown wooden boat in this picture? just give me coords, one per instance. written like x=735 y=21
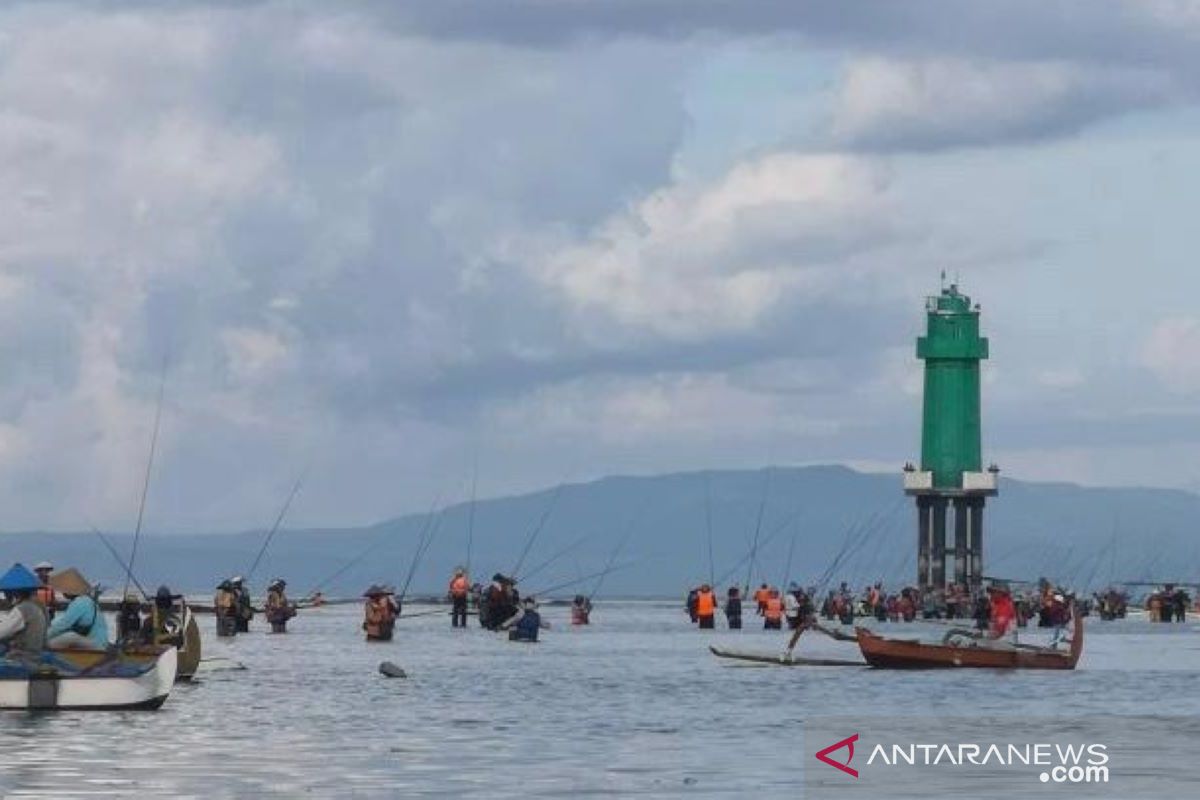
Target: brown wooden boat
x=906 y=654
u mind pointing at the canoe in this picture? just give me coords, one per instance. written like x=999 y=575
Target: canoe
x=776 y=660
x=84 y=679
x=906 y=654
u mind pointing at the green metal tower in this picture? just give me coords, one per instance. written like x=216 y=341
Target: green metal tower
x=951 y=476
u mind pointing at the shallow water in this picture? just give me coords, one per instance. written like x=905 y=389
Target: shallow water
x=631 y=706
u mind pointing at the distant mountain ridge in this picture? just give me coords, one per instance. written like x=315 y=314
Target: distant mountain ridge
x=825 y=515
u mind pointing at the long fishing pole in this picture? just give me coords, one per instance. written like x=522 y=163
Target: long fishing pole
x=584 y=578
x=564 y=551
x=366 y=551
x=117 y=557
x=787 y=568
x=275 y=527
x=537 y=530
x=774 y=534
x=629 y=529
x=423 y=542
x=471 y=514
x=762 y=507
x=137 y=531
x=712 y=570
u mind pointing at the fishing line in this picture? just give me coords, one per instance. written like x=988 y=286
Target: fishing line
x=533 y=535
x=275 y=528
x=117 y=557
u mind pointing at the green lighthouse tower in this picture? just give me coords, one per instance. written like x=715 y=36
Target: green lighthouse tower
x=950 y=486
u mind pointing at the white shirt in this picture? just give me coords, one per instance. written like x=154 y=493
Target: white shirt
x=791 y=606
x=11 y=623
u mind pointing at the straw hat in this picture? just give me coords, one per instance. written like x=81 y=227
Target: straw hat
x=70 y=581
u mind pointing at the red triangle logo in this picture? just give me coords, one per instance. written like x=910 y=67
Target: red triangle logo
x=848 y=743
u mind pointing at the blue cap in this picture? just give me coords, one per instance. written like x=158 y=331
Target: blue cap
x=19 y=579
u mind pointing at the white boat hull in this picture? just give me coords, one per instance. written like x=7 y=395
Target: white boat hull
x=147 y=690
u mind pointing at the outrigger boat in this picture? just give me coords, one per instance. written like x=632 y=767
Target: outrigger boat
x=964 y=652
x=786 y=660
x=89 y=679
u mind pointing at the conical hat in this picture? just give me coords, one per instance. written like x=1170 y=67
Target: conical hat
x=19 y=579
x=70 y=581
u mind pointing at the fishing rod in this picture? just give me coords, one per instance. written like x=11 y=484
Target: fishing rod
x=762 y=507
x=471 y=514
x=787 y=568
x=784 y=525
x=537 y=530
x=275 y=528
x=137 y=531
x=575 y=581
x=629 y=529
x=712 y=570
x=117 y=556
x=564 y=551
x=423 y=542
x=366 y=551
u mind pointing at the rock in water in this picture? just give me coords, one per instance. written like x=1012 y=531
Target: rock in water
x=390 y=670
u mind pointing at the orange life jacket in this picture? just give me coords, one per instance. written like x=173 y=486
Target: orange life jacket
x=774 y=611
x=760 y=596
x=459 y=586
x=45 y=596
x=706 y=604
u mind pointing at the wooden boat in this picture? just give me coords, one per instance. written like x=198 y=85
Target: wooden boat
x=909 y=654
x=87 y=679
x=778 y=661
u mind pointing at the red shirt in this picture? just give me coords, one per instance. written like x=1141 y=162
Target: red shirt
x=1004 y=615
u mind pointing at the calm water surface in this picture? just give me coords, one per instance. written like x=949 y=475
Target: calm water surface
x=632 y=706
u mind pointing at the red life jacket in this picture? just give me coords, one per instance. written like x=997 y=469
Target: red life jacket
x=459 y=586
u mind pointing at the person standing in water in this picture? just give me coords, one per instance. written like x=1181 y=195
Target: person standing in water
x=379 y=616
x=706 y=607
x=526 y=623
x=460 y=587
x=581 y=610
x=245 y=608
x=278 y=609
x=733 y=608
x=773 y=613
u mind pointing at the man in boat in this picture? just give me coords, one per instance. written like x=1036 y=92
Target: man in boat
x=379 y=618
x=706 y=607
x=524 y=625
x=278 y=608
x=245 y=608
x=581 y=610
x=129 y=618
x=45 y=593
x=1002 y=625
x=23 y=627
x=460 y=587
x=164 y=623
x=225 y=607
x=82 y=625
x=733 y=608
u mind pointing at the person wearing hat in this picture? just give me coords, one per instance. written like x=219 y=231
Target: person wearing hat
x=164 y=623
x=82 y=625
x=526 y=623
x=129 y=618
x=498 y=602
x=245 y=608
x=278 y=609
x=379 y=616
x=23 y=627
x=45 y=593
x=225 y=608
x=460 y=587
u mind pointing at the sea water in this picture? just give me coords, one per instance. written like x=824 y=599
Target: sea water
x=632 y=705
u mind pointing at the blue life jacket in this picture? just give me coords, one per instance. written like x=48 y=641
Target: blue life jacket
x=527 y=627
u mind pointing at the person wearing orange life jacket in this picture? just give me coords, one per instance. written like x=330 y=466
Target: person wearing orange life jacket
x=706 y=607
x=45 y=593
x=773 y=613
x=460 y=587
x=1002 y=627
x=379 y=615
x=760 y=598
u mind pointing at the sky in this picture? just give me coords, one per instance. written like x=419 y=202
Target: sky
x=387 y=246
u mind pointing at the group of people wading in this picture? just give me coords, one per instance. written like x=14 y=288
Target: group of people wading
x=235 y=610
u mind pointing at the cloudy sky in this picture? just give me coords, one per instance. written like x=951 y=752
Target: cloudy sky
x=382 y=241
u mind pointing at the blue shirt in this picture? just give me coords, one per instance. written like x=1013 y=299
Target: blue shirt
x=82 y=610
